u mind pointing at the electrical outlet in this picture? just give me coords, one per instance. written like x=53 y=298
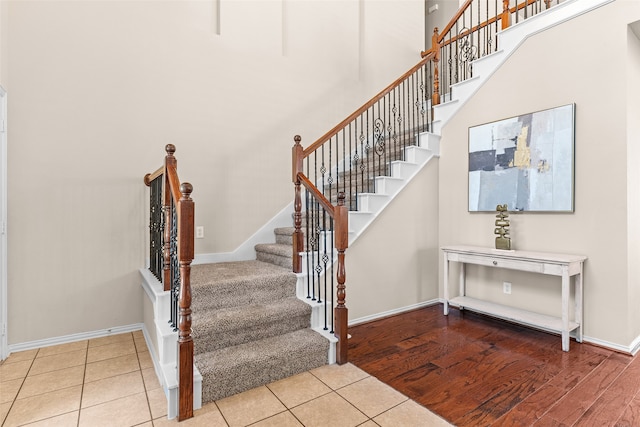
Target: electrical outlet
x=200 y=232
x=506 y=287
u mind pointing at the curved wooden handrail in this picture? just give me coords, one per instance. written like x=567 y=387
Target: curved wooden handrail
x=311 y=148
x=153 y=175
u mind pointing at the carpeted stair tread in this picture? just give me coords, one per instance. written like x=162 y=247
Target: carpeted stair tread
x=275 y=249
x=232 y=370
x=275 y=253
x=231 y=284
x=284 y=235
x=214 y=329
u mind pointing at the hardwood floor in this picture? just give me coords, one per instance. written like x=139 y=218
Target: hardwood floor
x=477 y=371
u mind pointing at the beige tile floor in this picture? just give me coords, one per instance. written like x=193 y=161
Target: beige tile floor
x=110 y=381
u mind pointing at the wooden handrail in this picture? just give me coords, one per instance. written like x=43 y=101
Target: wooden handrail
x=455 y=18
x=326 y=204
x=442 y=35
x=148 y=178
x=174 y=183
x=311 y=148
x=488 y=22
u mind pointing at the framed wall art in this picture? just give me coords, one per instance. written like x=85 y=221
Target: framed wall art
x=525 y=162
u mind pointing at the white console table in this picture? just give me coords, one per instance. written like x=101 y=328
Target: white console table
x=563 y=265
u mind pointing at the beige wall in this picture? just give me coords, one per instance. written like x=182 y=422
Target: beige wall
x=97 y=88
x=633 y=160
x=4 y=6
x=438 y=18
x=394 y=263
x=562 y=69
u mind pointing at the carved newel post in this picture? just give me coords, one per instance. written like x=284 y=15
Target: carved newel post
x=503 y=241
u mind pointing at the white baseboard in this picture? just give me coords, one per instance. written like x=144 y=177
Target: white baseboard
x=612 y=346
x=48 y=342
x=392 y=312
x=635 y=346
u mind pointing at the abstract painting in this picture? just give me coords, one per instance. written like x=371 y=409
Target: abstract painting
x=525 y=162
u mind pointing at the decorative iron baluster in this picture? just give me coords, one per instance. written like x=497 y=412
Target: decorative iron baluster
x=332 y=284
x=156 y=227
x=308 y=238
x=175 y=267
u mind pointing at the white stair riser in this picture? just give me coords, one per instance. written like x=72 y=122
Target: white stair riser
x=445 y=109
x=403 y=170
x=371 y=202
x=388 y=186
x=430 y=142
x=415 y=154
x=464 y=88
x=357 y=220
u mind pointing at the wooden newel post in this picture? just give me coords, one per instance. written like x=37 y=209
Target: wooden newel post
x=298 y=237
x=435 y=46
x=186 y=209
x=341 y=313
x=506 y=15
x=169 y=160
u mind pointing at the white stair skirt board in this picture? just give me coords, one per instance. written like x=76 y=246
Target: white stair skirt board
x=164 y=357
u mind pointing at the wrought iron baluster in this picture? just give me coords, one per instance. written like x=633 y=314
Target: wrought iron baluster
x=307 y=248
x=365 y=185
x=331 y=303
x=316 y=235
x=175 y=267
x=156 y=227
x=370 y=158
x=355 y=166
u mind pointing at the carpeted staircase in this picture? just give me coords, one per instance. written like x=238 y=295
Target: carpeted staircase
x=249 y=328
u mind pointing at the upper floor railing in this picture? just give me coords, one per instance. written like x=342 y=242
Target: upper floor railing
x=171 y=250
x=472 y=34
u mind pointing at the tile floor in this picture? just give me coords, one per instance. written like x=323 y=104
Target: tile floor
x=111 y=381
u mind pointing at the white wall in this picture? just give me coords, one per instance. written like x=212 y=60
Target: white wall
x=99 y=87
x=633 y=195
x=558 y=67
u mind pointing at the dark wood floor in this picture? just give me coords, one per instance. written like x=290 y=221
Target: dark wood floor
x=476 y=371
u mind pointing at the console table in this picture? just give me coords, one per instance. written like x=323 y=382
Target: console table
x=563 y=265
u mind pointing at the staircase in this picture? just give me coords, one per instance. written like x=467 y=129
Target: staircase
x=249 y=327
x=251 y=321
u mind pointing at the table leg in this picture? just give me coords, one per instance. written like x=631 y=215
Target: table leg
x=565 y=308
x=578 y=301
x=462 y=280
x=445 y=276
